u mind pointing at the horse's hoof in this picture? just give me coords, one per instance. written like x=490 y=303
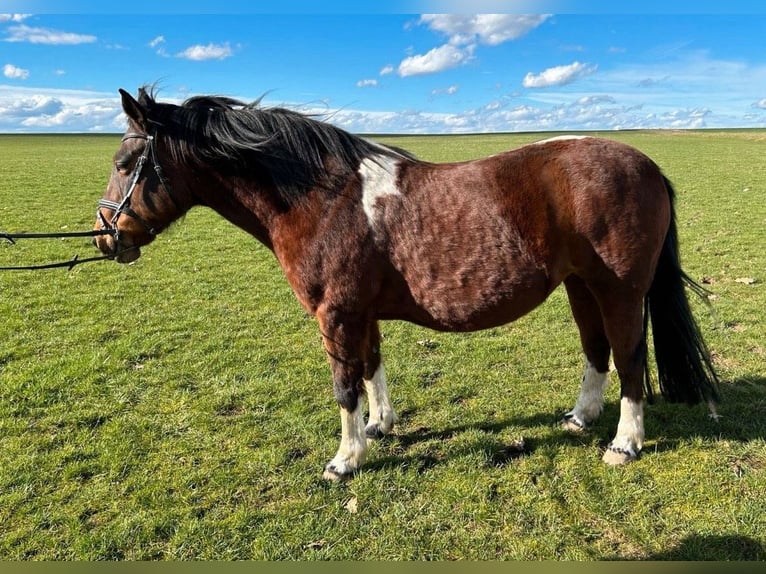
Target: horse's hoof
x=332 y=474
x=617 y=456
x=374 y=431
x=572 y=424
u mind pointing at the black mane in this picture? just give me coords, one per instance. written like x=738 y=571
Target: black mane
x=245 y=138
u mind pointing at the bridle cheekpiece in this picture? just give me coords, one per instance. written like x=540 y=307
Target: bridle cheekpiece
x=123 y=206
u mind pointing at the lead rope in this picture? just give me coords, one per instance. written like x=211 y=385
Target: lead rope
x=72 y=263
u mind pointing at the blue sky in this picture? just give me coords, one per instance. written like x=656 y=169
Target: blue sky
x=552 y=66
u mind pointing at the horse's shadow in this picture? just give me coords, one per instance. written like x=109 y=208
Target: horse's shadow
x=740 y=410
x=726 y=547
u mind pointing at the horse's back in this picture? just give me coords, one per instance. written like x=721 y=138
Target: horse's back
x=480 y=243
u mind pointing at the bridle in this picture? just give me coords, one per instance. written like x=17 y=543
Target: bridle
x=108 y=227
x=123 y=206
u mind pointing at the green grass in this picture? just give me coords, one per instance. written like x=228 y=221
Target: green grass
x=181 y=407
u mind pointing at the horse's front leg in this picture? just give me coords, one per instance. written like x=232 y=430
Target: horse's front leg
x=382 y=415
x=345 y=340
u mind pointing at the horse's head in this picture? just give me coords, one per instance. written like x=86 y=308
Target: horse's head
x=138 y=202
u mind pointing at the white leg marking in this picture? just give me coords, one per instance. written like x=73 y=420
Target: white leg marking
x=382 y=415
x=591 y=399
x=630 y=433
x=378 y=175
x=353 y=445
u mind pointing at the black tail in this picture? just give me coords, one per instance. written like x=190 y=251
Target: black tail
x=684 y=367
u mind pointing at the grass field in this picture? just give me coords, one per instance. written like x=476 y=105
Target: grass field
x=181 y=407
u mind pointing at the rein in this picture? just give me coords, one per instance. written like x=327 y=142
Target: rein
x=71 y=264
x=12 y=237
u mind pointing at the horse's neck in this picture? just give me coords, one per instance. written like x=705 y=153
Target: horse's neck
x=241 y=203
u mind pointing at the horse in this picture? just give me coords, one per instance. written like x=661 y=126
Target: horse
x=367 y=233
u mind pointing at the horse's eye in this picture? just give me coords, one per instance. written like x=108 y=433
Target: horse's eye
x=122 y=161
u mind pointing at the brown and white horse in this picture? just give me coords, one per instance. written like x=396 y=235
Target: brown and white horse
x=366 y=232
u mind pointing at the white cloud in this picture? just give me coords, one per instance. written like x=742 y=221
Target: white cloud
x=464 y=32
x=489 y=29
x=595 y=100
x=101 y=117
x=25 y=33
x=367 y=83
x=651 y=82
x=14 y=17
x=30 y=107
x=761 y=104
x=389 y=69
x=209 y=52
x=11 y=71
x=25 y=109
x=450 y=91
x=436 y=60
x=558 y=75
x=158 y=45
x=686 y=118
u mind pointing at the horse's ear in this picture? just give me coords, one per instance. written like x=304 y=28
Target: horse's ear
x=134 y=110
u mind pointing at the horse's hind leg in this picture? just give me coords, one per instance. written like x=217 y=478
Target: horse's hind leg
x=595 y=345
x=623 y=320
x=382 y=416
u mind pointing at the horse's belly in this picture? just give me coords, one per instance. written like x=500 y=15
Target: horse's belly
x=464 y=301
x=462 y=261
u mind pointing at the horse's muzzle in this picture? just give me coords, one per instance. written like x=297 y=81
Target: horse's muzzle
x=122 y=251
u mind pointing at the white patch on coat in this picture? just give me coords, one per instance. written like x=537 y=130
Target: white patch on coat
x=560 y=138
x=379 y=175
x=591 y=399
x=382 y=415
x=353 y=445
